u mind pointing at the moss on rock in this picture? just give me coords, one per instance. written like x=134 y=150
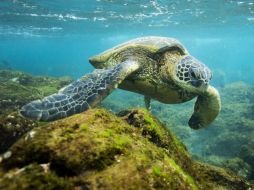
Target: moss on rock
x=98 y=150
x=12 y=127
x=16 y=89
x=33 y=176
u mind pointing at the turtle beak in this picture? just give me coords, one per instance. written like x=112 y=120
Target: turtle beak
x=197 y=83
x=200 y=75
x=195 y=122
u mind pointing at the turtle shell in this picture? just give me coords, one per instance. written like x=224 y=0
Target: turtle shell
x=153 y=44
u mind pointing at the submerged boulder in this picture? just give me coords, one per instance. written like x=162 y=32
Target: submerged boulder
x=12 y=127
x=99 y=150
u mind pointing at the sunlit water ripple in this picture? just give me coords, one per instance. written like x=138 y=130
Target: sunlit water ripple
x=35 y=18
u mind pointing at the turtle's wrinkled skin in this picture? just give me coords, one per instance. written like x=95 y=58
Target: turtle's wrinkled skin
x=160 y=68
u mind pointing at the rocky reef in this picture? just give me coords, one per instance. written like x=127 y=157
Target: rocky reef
x=227 y=142
x=99 y=150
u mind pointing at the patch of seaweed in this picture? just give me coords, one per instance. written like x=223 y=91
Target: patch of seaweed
x=16 y=89
x=97 y=149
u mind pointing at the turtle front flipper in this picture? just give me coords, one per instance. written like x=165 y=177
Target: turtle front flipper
x=80 y=95
x=206 y=109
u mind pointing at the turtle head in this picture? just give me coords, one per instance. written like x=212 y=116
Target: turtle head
x=193 y=74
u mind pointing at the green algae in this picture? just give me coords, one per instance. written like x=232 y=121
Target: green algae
x=83 y=127
x=157 y=170
x=12 y=127
x=16 y=89
x=33 y=177
x=98 y=150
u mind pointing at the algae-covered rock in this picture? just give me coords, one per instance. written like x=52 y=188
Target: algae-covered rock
x=247 y=154
x=230 y=136
x=12 y=127
x=99 y=150
x=16 y=89
x=238 y=166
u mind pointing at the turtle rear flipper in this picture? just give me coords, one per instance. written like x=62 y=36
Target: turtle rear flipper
x=206 y=109
x=80 y=95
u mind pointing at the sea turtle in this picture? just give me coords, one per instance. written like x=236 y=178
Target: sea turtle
x=160 y=68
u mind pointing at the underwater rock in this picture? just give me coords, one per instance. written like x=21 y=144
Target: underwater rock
x=16 y=89
x=226 y=138
x=247 y=154
x=12 y=127
x=99 y=150
x=239 y=167
x=223 y=140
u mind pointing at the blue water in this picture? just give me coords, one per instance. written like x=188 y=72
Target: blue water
x=57 y=38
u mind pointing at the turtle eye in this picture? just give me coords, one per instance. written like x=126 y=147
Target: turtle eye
x=193 y=74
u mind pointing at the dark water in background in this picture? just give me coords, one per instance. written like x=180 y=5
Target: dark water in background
x=53 y=37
